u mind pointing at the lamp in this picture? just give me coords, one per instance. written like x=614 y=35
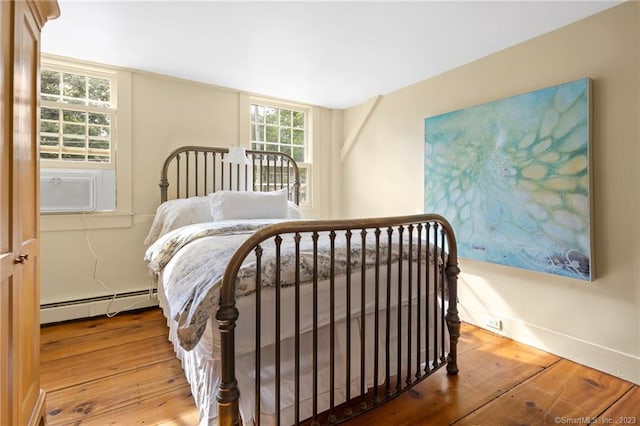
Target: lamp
x=237 y=155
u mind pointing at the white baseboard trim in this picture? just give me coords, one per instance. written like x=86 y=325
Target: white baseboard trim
x=85 y=308
x=619 y=364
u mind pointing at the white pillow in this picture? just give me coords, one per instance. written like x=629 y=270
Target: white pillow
x=174 y=214
x=294 y=211
x=227 y=205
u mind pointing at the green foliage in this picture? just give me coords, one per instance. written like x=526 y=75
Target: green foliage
x=99 y=90
x=50 y=82
x=74 y=86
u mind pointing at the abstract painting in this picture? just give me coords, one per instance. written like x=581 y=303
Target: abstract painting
x=512 y=177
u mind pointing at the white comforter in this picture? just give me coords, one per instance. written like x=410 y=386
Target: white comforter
x=195 y=258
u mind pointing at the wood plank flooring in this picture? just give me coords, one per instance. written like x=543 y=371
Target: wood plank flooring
x=122 y=371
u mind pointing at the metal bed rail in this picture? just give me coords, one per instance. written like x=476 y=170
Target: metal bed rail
x=425 y=242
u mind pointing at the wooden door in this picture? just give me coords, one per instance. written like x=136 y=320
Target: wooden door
x=6 y=210
x=21 y=399
x=26 y=289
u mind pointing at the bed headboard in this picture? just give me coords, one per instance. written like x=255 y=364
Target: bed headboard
x=200 y=170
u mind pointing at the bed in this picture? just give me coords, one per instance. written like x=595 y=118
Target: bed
x=278 y=319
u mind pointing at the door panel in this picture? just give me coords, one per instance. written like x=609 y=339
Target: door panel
x=6 y=151
x=26 y=296
x=26 y=120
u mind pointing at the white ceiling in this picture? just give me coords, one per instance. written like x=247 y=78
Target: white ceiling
x=333 y=54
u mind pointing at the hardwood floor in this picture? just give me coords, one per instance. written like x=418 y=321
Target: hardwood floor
x=122 y=371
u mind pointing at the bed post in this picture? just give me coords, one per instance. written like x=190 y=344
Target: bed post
x=164 y=184
x=453 y=320
x=228 y=393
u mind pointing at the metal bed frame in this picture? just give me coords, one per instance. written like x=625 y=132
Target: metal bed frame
x=204 y=171
x=429 y=236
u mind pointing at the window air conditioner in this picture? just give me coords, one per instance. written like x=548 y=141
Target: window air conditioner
x=67 y=191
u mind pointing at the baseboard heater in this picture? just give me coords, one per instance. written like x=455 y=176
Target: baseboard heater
x=95 y=306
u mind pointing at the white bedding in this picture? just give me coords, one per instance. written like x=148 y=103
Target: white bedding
x=193 y=260
x=182 y=260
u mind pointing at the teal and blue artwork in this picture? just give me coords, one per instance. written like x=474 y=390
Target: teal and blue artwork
x=512 y=177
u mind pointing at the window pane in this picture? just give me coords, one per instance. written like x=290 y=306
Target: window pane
x=298 y=119
x=304 y=184
x=285 y=117
x=74 y=129
x=99 y=131
x=99 y=119
x=259 y=136
x=98 y=159
x=285 y=136
x=49 y=140
x=271 y=115
x=99 y=90
x=74 y=116
x=73 y=143
x=50 y=82
x=48 y=127
x=272 y=134
x=285 y=149
x=298 y=154
x=48 y=155
x=255 y=115
x=98 y=144
x=298 y=137
x=74 y=86
x=73 y=157
x=50 y=114
x=257 y=146
x=272 y=147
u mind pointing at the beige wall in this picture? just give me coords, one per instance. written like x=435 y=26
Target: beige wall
x=596 y=323
x=166 y=113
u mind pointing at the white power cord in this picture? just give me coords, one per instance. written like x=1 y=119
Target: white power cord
x=102 y=283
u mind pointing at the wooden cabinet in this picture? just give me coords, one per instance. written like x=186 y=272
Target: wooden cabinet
x=21 y=399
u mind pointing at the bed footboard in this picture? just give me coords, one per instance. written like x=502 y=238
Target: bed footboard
x=389 y=305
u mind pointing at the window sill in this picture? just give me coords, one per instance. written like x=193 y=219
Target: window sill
x=80 y=221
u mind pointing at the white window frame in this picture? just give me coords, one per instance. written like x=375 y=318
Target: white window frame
x=307 y=164
x=121 y=148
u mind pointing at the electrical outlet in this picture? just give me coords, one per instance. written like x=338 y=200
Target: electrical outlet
x=494 y=323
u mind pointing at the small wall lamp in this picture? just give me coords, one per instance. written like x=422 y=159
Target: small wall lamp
x=237 y=155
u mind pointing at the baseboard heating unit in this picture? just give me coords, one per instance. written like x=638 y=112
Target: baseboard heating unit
x=96 y=306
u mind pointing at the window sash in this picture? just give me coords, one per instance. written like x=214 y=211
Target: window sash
x=273 y=131
x=80 y=142
x=289 y=134
x=65 y=148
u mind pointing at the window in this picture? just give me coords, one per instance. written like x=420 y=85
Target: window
x=85 y=129
x=284 y=129
x=77 y=117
